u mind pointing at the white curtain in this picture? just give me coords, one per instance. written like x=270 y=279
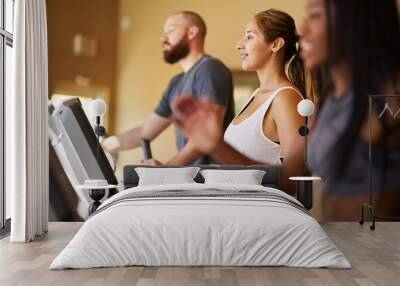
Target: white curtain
x=26 y=124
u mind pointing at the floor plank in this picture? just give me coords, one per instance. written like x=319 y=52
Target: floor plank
x=375 y=257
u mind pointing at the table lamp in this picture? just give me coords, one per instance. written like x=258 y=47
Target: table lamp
x=304 y=184
x=305 y=108
x=97 y=187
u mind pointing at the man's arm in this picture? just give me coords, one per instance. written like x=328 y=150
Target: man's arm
x=150 y=129
x=185 y=156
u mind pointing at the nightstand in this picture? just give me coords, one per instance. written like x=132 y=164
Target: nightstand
x=304 y=190
x=97 y=190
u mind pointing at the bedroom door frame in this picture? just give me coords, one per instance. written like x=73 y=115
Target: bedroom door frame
x=6 y=42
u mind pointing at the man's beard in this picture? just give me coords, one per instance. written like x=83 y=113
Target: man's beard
x=177 y=52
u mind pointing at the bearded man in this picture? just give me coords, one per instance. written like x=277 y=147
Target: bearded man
x=203 y=76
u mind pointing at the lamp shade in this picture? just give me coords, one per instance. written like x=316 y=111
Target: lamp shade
x=305 y=107
x=97 y=107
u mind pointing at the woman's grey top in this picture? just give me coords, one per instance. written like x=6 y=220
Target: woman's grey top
x=333 y=118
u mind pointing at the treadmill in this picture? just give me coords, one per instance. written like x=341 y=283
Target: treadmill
x=75 y=146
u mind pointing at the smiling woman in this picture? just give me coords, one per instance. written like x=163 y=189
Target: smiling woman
x=335 y=39
x=265 y=130
x=269 y=44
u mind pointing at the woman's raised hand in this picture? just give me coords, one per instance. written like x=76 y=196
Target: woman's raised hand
x=199 y=121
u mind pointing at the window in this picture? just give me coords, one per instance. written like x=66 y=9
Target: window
x=6 y=61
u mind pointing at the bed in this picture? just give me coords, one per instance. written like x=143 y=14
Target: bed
x=201 y=224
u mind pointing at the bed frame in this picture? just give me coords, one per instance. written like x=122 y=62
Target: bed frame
x=270 y=179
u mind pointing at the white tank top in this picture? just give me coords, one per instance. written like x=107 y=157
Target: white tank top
x=248 y=136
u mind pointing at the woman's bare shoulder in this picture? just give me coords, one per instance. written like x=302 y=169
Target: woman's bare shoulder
x=287 y=97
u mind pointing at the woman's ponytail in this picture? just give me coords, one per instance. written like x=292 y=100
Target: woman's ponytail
x=295 y=72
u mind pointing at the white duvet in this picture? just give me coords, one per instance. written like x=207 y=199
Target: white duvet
x=183 y=231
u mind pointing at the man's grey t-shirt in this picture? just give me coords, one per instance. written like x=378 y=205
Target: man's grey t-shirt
x=207 y=77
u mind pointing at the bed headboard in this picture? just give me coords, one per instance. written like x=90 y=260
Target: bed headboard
x=270 y=179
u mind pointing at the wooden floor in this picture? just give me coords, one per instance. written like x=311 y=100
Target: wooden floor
x=375 y=257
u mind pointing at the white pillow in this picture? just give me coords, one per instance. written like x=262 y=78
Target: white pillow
x=163 y=176
x=248 y=177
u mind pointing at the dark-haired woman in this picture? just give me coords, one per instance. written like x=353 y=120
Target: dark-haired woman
x=361 y=53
